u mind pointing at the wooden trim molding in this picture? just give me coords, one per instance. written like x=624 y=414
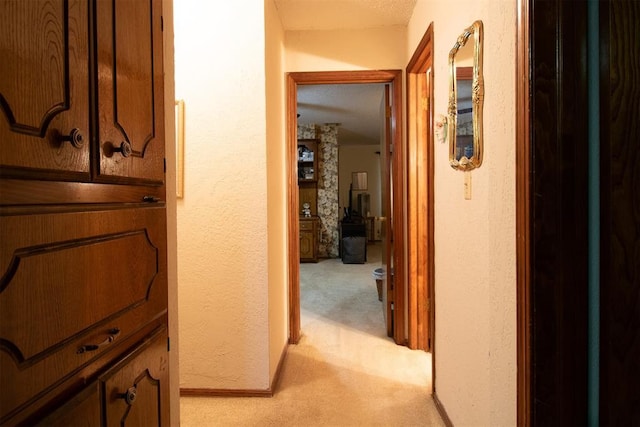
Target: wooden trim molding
x=442 y=411
x=216 y=392
x=394 y=77
x=523 y=230
x=293 y=217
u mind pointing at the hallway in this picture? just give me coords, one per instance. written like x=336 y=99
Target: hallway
x=344 y=371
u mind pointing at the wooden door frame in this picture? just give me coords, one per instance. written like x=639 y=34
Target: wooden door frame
x=393 y=77
x=523 y=209
x=420 y=202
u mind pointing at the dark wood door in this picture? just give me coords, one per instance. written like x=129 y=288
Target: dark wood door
x=560 y=307
x=130 y=91
x=559 y=213
x=44 y=96
x=619 y=213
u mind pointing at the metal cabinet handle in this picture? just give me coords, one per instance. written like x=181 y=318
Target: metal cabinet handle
x=113 y=334
x=124 y=149
x=130 y=395
x=75 y=138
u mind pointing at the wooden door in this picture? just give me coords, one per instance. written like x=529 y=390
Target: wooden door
x=619 y=213
x=559 y=209
x=570 y=385
x=420 y=189
x=387 y=215
x=44 y=97
x=130 y=91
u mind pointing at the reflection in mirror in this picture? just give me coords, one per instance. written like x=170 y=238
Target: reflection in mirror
x=466 y=93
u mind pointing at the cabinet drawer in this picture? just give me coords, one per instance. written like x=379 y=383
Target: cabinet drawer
x=73 y=286
x=307 y=225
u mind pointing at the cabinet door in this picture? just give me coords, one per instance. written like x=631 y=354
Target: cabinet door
x=136 y=391
x=306 y=245
x=44 y=95
x=130 y=91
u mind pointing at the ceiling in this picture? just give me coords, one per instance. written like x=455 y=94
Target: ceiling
x=355 y=106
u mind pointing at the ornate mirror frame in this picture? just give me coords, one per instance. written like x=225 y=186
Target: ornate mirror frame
x=467 y=160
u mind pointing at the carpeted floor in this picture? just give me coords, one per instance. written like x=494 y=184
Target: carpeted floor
x=344 y=372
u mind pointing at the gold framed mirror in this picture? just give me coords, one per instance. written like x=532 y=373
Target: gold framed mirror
x=466 y=96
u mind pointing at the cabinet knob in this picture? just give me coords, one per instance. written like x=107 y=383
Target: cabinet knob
x=75 y=138
x=130 y=395
x=125 y=149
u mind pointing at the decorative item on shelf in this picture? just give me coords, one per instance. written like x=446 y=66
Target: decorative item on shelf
x=308 y=173
x=306 y=210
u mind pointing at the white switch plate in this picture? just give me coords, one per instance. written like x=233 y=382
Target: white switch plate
x=467 y=185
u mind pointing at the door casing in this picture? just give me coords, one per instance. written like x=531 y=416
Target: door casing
x=394 y=78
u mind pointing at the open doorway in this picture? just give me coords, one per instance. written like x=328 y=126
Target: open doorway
x=341 y=137
x=392 y=155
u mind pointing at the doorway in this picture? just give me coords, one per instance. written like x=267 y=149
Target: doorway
x=340 y=205
x=395 y=155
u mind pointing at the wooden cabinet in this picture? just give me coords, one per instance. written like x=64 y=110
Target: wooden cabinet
x=308 y=175
x=309 y=234
x=308 y=199
x=83 y=257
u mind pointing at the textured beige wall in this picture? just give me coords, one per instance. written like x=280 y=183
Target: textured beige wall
x=346 y=50
x=229 y=266
x=223 y=272
x=277 y=188
x=475 y=239
x=354 y=158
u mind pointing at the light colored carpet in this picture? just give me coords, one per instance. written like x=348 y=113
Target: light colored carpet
x=344 y=372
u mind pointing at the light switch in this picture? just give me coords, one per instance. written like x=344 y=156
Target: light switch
x=467 y=185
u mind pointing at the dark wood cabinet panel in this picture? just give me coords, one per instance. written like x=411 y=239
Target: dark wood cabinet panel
x=130 y=91
x=559 y=230
x=83 y=256
x=136 y=390
x=309 y=235
x=83 y=410
x=66 y=323
x=44 y=96
x=620 y=213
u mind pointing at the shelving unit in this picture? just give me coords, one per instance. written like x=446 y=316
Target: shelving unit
x=308 y=193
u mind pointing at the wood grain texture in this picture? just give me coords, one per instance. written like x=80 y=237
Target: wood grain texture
x=49 y=265
x=130 y=91
x=620 y=213
x=420 y=193
x=45 y=57
x=559 y=214
x=523 y=218
x=83 y=263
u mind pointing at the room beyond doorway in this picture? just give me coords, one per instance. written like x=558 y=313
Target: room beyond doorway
x=393 y=78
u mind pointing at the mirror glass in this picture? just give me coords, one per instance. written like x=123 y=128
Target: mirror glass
x=466 y=93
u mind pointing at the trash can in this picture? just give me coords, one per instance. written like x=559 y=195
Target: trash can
x=354 y=250
x=378 y=274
